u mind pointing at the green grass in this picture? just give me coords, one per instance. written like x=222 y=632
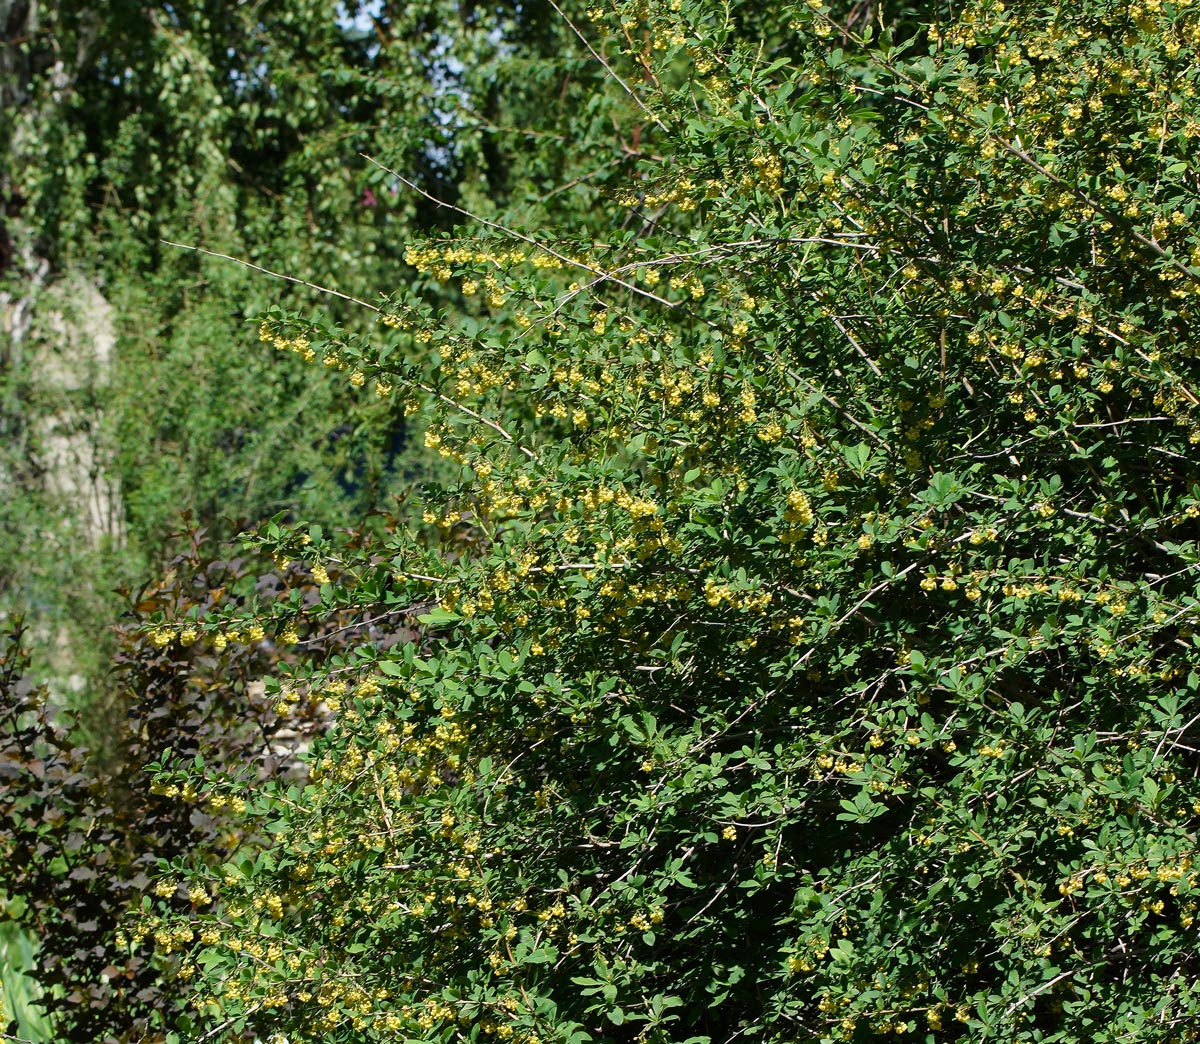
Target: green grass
x=17 y=953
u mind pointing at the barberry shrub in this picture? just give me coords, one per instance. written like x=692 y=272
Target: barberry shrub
x=809 y=635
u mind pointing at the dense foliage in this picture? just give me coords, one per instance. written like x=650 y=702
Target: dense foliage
x=132 y=125
x=809 y=627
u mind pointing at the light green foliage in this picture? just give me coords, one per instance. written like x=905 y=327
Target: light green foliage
x=239 y=129
x=18 y=993
x=810 y=637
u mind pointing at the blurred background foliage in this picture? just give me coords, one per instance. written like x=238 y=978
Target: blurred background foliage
x=239 y=129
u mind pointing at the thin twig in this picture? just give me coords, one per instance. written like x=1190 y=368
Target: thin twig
x=228 y=1022
x=267 y=271
x=1048 y=984
x=857 y=347
x=608 y=68
x=478 y=416
x=598 y=272
x=408 y=610
x=840 y=408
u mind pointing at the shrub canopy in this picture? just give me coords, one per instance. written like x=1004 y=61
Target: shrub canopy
x=808 y=637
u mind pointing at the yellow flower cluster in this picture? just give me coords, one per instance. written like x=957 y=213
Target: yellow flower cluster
x=298 y=344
